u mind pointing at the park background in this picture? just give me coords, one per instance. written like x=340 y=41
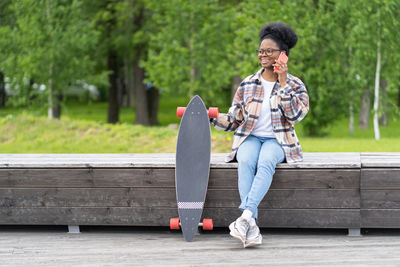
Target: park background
x=105 y=76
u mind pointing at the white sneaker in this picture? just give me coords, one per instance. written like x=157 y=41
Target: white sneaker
x=253 y=238
x=239 y=229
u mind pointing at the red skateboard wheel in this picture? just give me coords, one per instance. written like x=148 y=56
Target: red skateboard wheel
x=208 y=224
x=180 y=111
x=174 y=224
x=213 y=112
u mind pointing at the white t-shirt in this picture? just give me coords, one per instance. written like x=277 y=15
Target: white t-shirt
x=263 y=127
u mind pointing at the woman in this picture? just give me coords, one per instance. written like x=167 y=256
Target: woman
x=264 y=110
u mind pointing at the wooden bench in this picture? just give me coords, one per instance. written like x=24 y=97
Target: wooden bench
x=326 y=190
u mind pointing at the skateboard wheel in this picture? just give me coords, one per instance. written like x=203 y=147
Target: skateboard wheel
x=213 y=112
x=174 y=224
x=180 y=111
x=208 y=224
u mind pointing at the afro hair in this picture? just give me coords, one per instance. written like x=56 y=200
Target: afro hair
x=281 y=33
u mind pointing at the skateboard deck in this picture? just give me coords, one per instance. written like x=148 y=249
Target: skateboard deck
x=193 y=151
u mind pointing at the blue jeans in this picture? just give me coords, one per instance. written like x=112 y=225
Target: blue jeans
x=257 y=158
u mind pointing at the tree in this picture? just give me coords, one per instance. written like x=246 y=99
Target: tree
x=189 y=52
x=6 y=20
x=372 y=37
x=125 y=29
x=51 y=42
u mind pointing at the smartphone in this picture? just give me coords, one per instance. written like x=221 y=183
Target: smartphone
x=282 y=58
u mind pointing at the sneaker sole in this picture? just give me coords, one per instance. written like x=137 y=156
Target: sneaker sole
x=253 y=243
x=235 y=234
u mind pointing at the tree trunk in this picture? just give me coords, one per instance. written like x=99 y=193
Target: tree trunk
x=142 y=103
x=146 y=96
x=377 y=84
x=129 y=88
x=363 y=121
x=54 y=99
x=113 y=106
x=398 y=98
x=2 y=91
x=351 y=116
x=236 y=80
x=54 y=111
x=153 y=97
x=384 y=118
x=120 y=89
x=351 y=104
x=192 y=58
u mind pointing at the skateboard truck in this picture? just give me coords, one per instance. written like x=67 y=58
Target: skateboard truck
x=175 y=224
x=212 y=112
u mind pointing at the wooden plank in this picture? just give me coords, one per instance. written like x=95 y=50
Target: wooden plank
x=294 y=179
x=380 y=218
x=167 y=160
x=165 y=198
x=316 y=218
x=380 y=160
x=130 y=246
x=136 y=177
x=316 y=178
x=165 y=177
x=380 y=199
x=275 y=199
x=65 y=197
x=310 y=218
x=380 y=178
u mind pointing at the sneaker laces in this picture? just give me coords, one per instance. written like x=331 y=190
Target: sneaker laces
x=242 y=226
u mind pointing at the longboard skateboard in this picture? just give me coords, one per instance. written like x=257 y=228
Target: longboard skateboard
x=193 y=152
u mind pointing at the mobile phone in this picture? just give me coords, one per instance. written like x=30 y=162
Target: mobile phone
x=282 y=58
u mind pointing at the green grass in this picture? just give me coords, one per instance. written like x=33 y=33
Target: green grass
x=82 y=129
x=97 y=111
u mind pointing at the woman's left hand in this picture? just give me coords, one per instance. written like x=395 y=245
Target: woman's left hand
x=282 y=72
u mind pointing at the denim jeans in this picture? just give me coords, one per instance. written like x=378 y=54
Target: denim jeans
x=257 y=158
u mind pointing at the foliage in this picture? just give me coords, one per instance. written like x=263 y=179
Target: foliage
x=48 y=44
x=189 y=52
x=190 y=47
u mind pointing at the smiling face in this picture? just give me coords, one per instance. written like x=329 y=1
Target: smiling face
x=266 y=60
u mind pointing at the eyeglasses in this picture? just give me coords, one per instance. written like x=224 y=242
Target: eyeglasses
x=268 y=51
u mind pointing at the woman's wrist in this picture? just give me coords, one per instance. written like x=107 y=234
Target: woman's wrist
x=282 y=80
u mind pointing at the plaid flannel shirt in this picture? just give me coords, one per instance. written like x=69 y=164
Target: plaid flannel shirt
x=289 y=105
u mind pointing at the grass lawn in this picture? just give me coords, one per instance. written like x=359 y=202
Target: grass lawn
x=82 y=129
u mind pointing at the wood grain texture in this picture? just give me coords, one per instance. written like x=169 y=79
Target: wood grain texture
x=380 y=178
x=165 y=177
x=166 y=198
x=380 y=160
x=132 y=246
x=314 y=218
x=343 y=190
x=380 y=199
x=380 y=218
x=167 y=160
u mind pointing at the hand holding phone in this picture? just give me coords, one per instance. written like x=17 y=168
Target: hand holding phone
x=282 y=59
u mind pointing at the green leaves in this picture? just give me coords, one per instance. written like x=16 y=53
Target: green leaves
x=192 y=47
x=189 y=51
x=51 y=40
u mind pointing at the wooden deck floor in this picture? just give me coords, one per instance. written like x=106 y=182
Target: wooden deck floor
x=133 y=246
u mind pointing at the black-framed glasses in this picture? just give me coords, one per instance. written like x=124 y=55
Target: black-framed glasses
x=268 y=51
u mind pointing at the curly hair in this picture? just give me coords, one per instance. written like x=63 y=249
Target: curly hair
x=281 y=33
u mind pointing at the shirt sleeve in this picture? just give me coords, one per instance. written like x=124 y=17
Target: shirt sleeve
x=230 y=121
x=293 y=101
